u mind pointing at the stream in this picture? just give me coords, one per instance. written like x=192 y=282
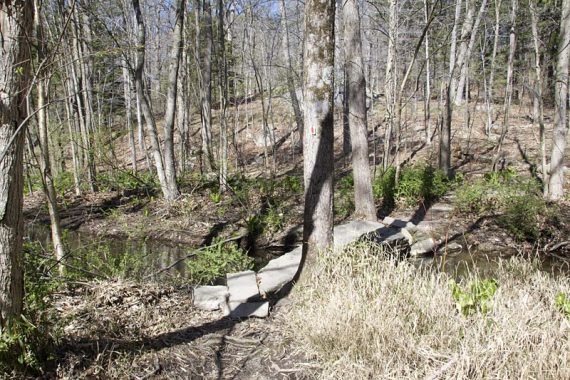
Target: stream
x=138 y=258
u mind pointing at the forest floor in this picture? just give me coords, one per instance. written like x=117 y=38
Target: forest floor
x=122 y=328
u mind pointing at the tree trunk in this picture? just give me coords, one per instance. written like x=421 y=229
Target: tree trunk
x=390 y=83
x=144 y=102
x=427 y=86
x=539 y=114
x=357 y=118
x=319 y=130
x=16 y=19
x=509 y=86
x=556 y=178
x=464 y=65
x=169 y=160
x=45 y=163
x=291 y=85
x=206 y=35
x=493 y=63
x=129 y=116
x=223 y=173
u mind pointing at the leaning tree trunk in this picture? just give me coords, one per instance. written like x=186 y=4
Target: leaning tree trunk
x=356 y=97
x=16 y=27
x=169 y=164
x=319 y=130
x=144 y=102
x=427 y=88
x=45 y=163
x=556 y=178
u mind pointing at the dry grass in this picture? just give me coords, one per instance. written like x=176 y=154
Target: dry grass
x=368 y=316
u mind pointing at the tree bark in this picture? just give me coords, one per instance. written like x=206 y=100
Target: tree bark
x=539 y=114
x=16 y=19
x=291 y=85
x=45 y=163
x=223 y=158
x=556 y=178
x=171 y=99
x=204 y=36
x=390 y=83
x=357 y=118
x=319 y=129
x=144 y=102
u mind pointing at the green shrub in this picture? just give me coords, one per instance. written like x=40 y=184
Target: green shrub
x=475 y=298
x=125 y=180
x=28 y=343
x=417 y=183
x=518 y=201
x=344 y=196
x=216 y=261
x=384 y=185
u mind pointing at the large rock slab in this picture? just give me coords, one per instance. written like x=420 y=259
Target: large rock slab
x=353 y=231
x=389 y=236
x=279 y=272
x=242 y=286
x=247 y=310
x=423 y=247
x=210 y=297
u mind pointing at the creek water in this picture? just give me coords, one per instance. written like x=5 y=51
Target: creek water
x=137 y=258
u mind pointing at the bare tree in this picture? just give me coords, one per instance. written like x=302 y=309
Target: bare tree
x=556 y=179
x=16 y=21
x=357 y=118
x=319 y=128
x=42 y=84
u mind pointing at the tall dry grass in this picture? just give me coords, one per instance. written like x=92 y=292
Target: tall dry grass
x=365 y=315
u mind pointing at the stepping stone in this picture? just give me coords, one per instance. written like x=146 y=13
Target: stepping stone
x=210 y=297
x=391 y=238
x=441 y=207
x=351 y=232
x=242 y=286
x=423 y=247
x=392 y=222
x=246 y=310
x=279 y=272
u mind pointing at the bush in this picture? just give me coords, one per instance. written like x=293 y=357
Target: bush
x=344 y=196
x=419 y=183
x=216 y=261
x=125 y=180
x=517 y=200
x=28 y=343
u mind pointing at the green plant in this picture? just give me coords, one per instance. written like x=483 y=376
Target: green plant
x=475 y=298
x=562 y=303
x=291 y=184
x=384 y=185
x=216 y=197
x=273 y=220
x=28 y=342
x=217 y=260
x=420 y=183
x=344 y=202
x=524 y=216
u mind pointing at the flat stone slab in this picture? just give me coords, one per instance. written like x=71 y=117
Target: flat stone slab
x=242 y=286
x=279 y=272
x=441 y=207
x=387 y=235
x=247 y=310
x=351 y=232
x=210 y=297
x=393 y=222
x=423 y=247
